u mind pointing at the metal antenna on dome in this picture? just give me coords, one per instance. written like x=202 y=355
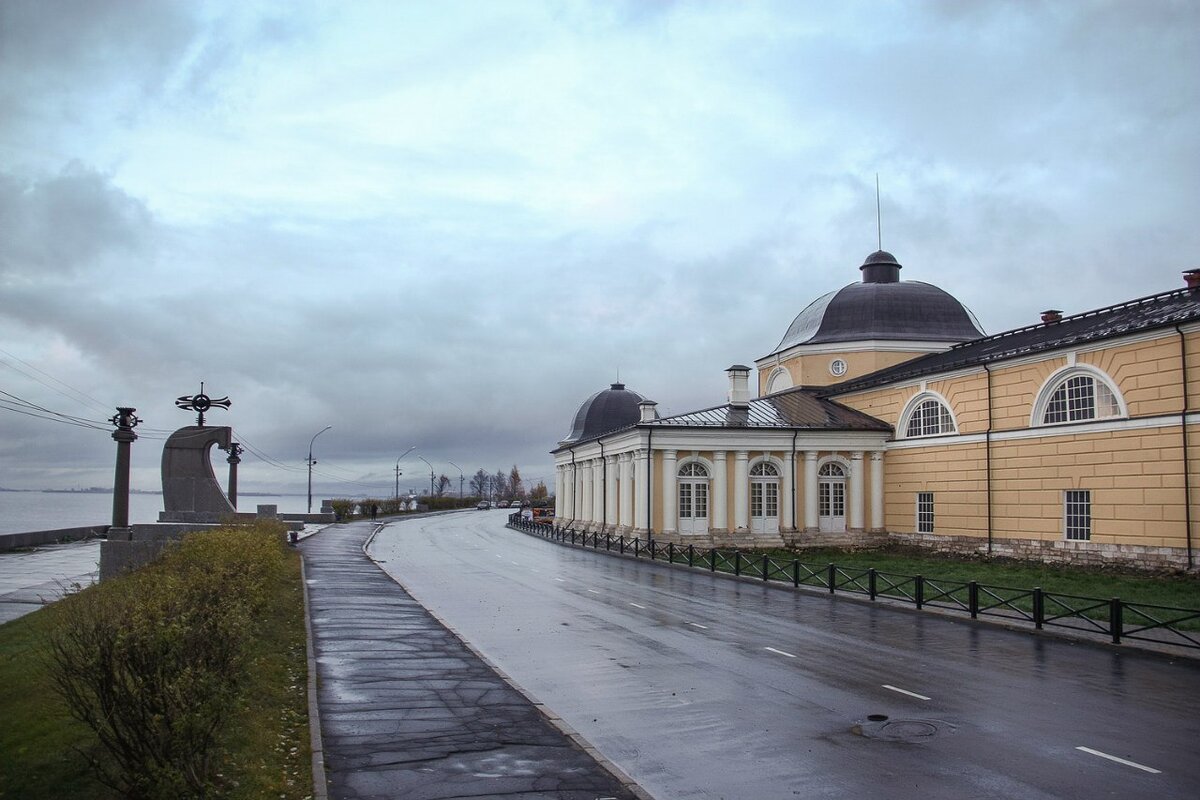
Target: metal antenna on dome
x=878 y=212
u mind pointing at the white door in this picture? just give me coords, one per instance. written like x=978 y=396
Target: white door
x=831 y=498
x=764 y=498
x=693 y=498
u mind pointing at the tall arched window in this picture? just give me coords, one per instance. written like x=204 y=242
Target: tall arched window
x=928 y=415
x=1077 y=396
x=693 y=498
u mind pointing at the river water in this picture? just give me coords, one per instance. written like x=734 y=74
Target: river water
x=38 y=511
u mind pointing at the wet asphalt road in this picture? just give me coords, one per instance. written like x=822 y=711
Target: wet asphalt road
x=704 y=687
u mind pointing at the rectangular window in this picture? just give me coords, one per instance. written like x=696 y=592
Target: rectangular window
x=1077 y=508
x=924 y=512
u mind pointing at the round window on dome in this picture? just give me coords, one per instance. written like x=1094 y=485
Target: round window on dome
x=837 y=367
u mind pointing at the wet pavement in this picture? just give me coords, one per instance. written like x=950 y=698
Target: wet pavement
x=699 y=686
x=408 y=711
x=31 y=578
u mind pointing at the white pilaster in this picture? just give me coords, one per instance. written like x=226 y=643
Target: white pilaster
x=558 y=493
x=787 y=491
x=568 y=514
x=877 y=523
x=598 y=491
x=625 y=501
x=720 y=492
x=639 y=490
x=741 y=490
x=810 y=490
x=610 y=491
x=669 y=496
x=856 y=491
x=585 y=508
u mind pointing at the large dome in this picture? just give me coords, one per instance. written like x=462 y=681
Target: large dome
x=607 y=410
x=883 y=307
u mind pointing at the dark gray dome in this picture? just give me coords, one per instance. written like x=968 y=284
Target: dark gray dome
x=883 y=307
x=607 y=410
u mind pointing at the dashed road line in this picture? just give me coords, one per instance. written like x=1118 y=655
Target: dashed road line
x=1126 y=762
x=593 y=591
x=905 y=691
x=780 y=652
x=636 y=605
x=560 y=580
x=698 y=625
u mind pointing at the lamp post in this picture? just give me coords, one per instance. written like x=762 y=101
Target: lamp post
x=125 y=421
x=402 y=455
x=311 y=462
x=430 y=477
x=460 y=477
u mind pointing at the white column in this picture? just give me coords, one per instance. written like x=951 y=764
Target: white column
x=788 y=489
x=720 y=491
x=585 y=508
x=741 y=490
x=877 y=523
x=598 y=490
x=625 y=513
x=568 y=514
x=639 y=489
x=856 y=491
x=669 y=498
x=558 y=493
x=611 y=479
x=810 y=490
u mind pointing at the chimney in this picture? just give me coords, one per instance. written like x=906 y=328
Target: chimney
x=1192 y=276
x=1051 y=315
x=648 y=410
x=739 y=386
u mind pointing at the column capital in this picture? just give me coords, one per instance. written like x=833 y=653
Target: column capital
x=856 y=455
x=877 y=455
x=810 y=455
x=670 y=454
x=742 y=455
x=718 y=455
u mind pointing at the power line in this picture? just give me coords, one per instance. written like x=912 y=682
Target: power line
x=76 y=395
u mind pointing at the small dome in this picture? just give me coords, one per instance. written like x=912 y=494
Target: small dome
x=607 y=410
x=883 y=307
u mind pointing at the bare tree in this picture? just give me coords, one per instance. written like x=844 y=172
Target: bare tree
x=500 y=484
x=443 y=483
x=514 y=482
x=479 y=483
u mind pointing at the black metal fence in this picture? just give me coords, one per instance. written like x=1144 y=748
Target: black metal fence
x=1112 y=618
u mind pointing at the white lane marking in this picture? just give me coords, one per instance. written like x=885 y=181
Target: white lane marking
x=560 y=580
x=780 y=652
x=698 y=625
x=514 y=563
x=1133 y=764
x=905 y=691
x=593 y=591
x=635 y=605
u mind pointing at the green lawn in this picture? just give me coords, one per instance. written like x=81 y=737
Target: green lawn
x=265 y=753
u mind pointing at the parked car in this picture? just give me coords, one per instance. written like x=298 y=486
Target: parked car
x=483 y=505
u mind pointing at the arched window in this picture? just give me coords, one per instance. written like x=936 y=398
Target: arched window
x=930 y=417
x=779 y=380
x=1077 y=396
x=831 y=470
x=764 y=469
x=693 y=469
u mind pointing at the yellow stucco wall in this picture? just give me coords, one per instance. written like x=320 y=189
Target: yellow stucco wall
x=813 y=369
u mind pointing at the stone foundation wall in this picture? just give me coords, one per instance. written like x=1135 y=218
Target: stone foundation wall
x=1074 y=553
x=13 y=541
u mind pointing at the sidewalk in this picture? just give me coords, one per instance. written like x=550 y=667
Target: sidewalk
x=408 y=711
x=29 y=579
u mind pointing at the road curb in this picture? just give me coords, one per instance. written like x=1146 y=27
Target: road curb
x=320 y=785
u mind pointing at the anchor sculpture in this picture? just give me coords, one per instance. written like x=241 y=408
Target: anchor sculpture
x=191 y=492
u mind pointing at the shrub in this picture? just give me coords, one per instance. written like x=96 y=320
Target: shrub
x=153 y=662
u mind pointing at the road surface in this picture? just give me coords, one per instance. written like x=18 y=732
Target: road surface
x=704 y=687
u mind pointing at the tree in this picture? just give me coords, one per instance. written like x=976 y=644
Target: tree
x=442 y=484
x=479 y=483
x=500 y=484
x=514 y=482
x=539 y=492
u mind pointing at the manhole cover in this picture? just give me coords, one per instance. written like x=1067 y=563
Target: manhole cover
x=901 y=730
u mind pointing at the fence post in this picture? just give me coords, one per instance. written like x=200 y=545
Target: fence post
x=671 y=552
x=1039 y=608
x=871 y=582
x=737 y=562
x=636 y=544
x=766 y=567
x=712 y=559
x=607 y=540
x=973 y=599
x=795 y=572
x=691 y=554
x=832 y=577
x=1115 y=623
x=919 y=590
x=621 y=544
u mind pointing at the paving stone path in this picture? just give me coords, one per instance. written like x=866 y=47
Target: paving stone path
x=408 y=711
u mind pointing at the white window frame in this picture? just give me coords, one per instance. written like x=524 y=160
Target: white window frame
x=921 y=520
x=910 y=410
x=1074 y=500
x=1060 y=376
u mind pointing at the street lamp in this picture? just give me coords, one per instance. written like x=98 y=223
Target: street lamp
x=430 y=478
x=460 y=477
x=402 y=455
x=311 y=462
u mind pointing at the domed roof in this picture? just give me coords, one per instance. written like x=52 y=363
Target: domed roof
x=607 y=410
x=883 y=307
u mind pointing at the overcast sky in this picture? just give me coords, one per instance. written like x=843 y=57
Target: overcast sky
x=447 y=224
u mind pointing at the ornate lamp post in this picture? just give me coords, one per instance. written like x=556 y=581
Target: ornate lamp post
x=235 y=458
x=398 y=472
x=460 y=478
x=126 y=421
x=430 y=477
x=311 y=462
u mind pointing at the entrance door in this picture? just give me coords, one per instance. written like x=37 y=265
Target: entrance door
x=831 y=498
x=764 y=498
x=693 y=498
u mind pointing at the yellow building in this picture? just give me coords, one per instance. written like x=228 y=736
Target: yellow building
x=885 y=415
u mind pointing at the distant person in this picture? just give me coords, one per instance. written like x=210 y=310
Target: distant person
x=374 y=510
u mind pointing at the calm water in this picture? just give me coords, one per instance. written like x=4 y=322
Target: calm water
x=36 y=511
